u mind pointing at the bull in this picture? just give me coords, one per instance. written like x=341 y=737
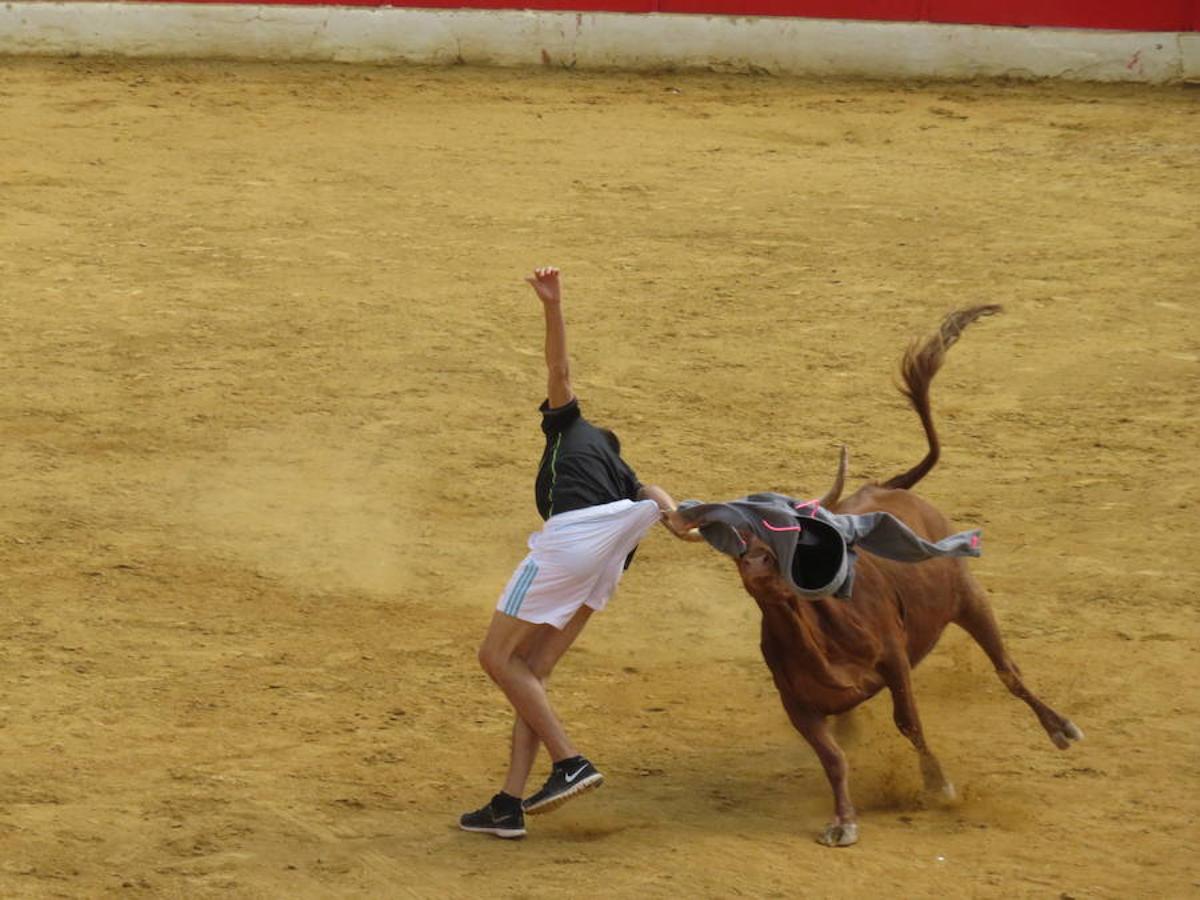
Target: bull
x=827 y=653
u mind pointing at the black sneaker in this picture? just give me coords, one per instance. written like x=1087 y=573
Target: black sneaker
x=490 y=820
x=564 y=783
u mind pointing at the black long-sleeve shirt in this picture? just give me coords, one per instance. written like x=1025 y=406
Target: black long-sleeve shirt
x=579 y=467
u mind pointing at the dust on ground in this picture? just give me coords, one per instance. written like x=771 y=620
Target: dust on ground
x=270 y=378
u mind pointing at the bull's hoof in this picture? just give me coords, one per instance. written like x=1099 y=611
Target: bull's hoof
x=938 y=787
x=836 y=835
x=1064 y=736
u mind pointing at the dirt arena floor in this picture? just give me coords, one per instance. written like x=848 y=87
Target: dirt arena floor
x=269 y=390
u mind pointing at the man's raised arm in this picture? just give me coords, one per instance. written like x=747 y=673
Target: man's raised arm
x=558 y=364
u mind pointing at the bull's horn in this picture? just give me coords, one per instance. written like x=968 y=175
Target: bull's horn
x=839 y=481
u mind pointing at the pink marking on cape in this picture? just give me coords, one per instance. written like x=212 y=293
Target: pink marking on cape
x=771 y=527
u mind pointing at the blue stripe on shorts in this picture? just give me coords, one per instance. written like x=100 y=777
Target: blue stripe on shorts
x=521 y=588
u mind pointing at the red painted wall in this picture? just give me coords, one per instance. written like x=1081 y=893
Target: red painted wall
x=1128 y=15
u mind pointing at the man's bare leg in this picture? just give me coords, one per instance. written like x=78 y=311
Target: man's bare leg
x=500 y=659
x=541 y=652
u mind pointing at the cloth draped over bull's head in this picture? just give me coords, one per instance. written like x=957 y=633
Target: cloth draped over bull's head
x=813 y=547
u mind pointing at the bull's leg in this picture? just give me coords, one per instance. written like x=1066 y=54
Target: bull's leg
x=843 y=830
x=977 y=620
x=897 y=676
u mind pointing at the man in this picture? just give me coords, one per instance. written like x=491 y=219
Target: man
x=595 y=511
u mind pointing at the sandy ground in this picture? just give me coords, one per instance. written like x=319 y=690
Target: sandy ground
x=269 y=381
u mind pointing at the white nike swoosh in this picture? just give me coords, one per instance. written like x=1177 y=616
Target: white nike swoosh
x=574 y=774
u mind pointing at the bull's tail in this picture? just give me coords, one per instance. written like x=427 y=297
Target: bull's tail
x=920 y=364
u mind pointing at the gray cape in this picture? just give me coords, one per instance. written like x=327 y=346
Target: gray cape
x=815 y=548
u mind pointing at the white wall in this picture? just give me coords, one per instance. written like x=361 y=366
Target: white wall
x=595 y=40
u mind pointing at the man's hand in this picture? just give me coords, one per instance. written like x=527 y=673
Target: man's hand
x=679 y=527
x=669 y=514
x=545 y=283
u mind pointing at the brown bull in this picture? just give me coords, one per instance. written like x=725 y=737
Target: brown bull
x=827 y=655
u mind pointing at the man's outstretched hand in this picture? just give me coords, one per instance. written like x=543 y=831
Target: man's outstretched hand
x=545 y=283
x=682 y=529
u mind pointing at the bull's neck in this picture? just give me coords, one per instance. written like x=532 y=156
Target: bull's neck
x=821 y=631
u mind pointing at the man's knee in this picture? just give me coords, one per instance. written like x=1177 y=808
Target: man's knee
x=492 y=660
x=540 y=666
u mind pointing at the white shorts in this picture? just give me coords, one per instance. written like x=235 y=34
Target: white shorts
x=576 y=559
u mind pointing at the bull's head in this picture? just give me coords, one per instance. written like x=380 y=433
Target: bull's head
x=761 y=575
x=813 y=555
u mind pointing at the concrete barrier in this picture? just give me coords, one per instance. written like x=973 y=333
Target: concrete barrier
x=597 y=40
